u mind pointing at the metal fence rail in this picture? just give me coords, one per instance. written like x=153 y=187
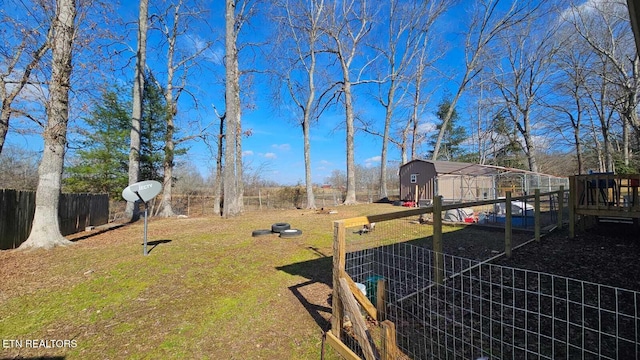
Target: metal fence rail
x=498 y=312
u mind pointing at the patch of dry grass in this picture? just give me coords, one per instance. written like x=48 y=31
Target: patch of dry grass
x=207 y=290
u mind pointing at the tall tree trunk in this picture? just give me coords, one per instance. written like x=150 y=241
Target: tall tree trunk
x=217 y=186
x=45 y=230
x=306 y=120
x=131 y=211
x=530 y=148
x=350 y=197
x=166 y=210
x=385 y=140
x=578 y=143
x=403 y=143
x=232 y=174
x=311 y=200
x=239 y=168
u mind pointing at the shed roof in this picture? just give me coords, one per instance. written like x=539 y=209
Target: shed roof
x=461 y=168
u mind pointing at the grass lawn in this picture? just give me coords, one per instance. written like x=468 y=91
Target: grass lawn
x=207 y=290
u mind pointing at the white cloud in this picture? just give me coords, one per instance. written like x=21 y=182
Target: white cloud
x=281 y=147
x=208 y=51
x=372 y=161
x=426 y=128
x=270 y=155
x=247 y=153
x=325 y=162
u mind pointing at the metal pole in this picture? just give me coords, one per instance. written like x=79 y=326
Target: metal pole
x=146 y=209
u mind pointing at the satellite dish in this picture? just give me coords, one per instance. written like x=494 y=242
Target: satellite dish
x=143 y=190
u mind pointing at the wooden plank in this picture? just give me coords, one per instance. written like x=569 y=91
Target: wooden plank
x=361 y=332
x=381 y=299
x=364 y=220
x=605 y=212
x=536 y=215
x=572 y=207
x=560 y=206
x=438 y=262
x=340 y=347
x=361 y=298
x=339 y=261
x=389 y=345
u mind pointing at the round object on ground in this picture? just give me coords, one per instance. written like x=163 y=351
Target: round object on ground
x=280 y=227
x=290 y=233
x=261 y=232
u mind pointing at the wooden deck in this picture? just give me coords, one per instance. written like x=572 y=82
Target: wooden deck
x=600 y=195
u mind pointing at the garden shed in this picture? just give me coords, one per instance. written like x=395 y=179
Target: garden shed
x=421 y=180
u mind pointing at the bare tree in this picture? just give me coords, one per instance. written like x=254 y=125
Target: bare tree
x=237 y=12
x=427 y=49
x=131 y=211
x=173 y=25
x=218 y=155
x=19 y=168
x=407 y=37
x=45 y=230
x=298 y=50
x=488 y=21
x=529 y=50
x=570 y=86
x=347 y=26
x=19 y=62
x=613 y=78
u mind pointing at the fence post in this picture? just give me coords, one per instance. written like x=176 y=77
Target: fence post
x=389 y=345
x=507 y=225
x=438 y=261
x=560 y=206
x=381 y=299
x=339 y=260
x=572 y=207
x=536 y=214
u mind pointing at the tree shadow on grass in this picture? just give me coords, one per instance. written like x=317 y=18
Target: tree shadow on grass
x=316 y=271
x=102 y=230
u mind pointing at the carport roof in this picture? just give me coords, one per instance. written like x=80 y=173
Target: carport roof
x=461 y=168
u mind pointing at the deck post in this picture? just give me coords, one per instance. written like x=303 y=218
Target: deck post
x=508 y=225
x=536 y=215
x=437 y=240
x=560 y=206
x=572 y=206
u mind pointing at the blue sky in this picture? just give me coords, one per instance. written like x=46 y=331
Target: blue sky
x=275 y=145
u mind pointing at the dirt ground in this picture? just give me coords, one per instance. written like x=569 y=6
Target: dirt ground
x=607 y=254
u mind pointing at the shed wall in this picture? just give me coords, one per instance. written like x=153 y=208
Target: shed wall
x=423 y=188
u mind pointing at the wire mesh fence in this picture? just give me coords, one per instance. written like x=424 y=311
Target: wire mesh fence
x=483 y=310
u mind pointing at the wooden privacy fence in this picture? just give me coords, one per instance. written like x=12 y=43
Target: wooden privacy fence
x=347 y=299
x=75 y=213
